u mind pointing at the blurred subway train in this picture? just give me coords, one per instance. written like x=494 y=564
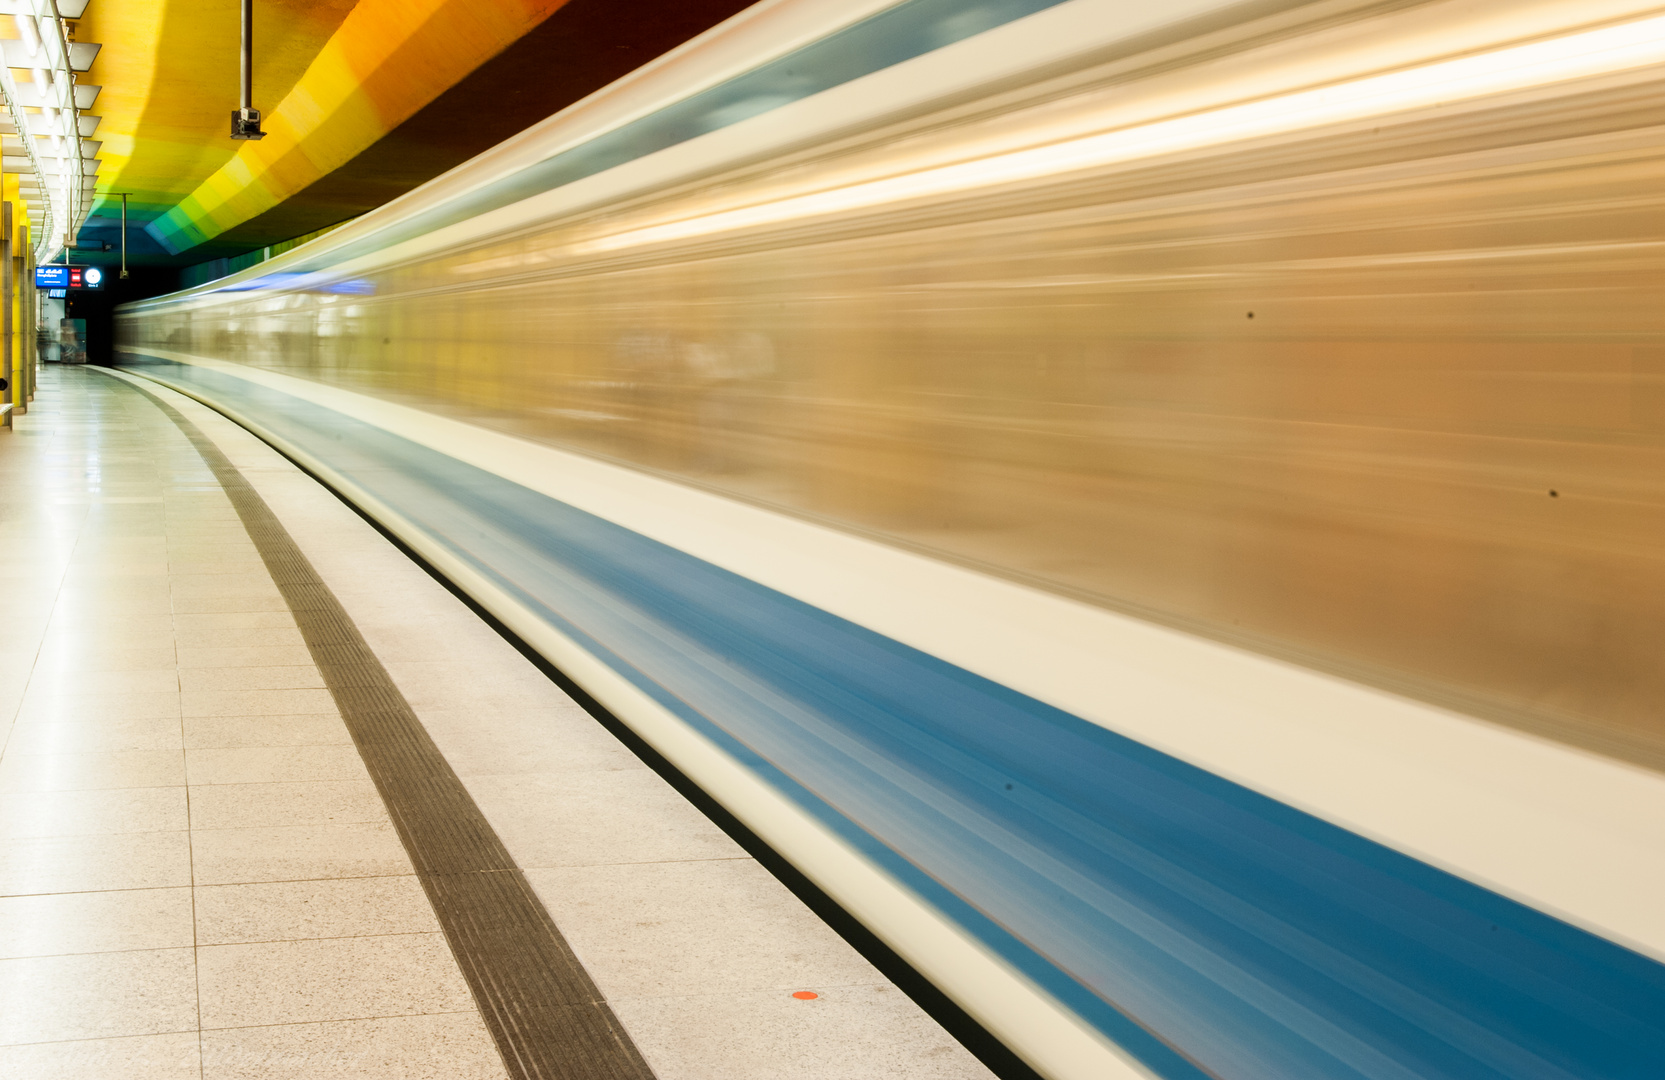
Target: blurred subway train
x=1159 y=510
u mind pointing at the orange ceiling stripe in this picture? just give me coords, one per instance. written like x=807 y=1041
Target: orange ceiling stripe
x=386 y=60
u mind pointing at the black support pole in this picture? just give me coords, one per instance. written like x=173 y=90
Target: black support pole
x=246 y=102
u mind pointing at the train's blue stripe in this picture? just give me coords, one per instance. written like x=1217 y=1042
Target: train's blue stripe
x=883 y=40
x=1208 y=929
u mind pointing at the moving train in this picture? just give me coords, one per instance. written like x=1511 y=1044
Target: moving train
x=1156 y=508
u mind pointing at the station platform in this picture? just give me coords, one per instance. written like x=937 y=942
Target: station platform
x=275 y=803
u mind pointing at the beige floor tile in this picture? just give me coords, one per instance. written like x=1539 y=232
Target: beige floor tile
x=56 y=864
x=97 y=995
x=107 y=565
x=292 y=982
x=87 y=606
x=212 y=565
x=205 y=558
x=483 y=700
x=319 y=729
x=119 y=527
x=255 y=806
x=694 y=928
x=91 y=771
x=73 y=681
x=458 y=686
x=105 y=588
x=93 y=707
x=58 y=924
x=499 y=745
x=207 y=605
x=250 y=656
x=24 y=629
x=101 y=591
x=173 y=1056
x=593 y=818
x=848 y=1033
x=294 y=677
x=509 y=673
x=294 y=853
x=255 y=702
x=274 y=764
x=228 y=543
x=69 y=737
x=253 y=583
x=291 y=910
x=208 y=521
x=443 y=1046
x=234 y=620
x=94 y=625
x=36 y=598
x=230 y=636
x=80 y=655
x=11 y=699
x=407 y=642
x=86 y=813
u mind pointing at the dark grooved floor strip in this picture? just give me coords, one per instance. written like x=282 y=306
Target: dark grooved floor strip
x=549 y=1021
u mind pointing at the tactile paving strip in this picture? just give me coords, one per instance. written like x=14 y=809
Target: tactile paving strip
x=547 y=1016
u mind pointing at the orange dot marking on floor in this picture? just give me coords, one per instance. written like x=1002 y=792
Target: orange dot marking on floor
x=806 y=995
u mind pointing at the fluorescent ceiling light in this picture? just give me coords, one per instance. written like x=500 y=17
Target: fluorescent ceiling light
x=30 y=33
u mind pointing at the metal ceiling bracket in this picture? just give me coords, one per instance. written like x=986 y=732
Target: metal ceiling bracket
x=245 y=120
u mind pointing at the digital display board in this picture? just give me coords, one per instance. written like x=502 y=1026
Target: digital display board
x=59 y=276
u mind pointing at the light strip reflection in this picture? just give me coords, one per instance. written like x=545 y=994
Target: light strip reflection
x=1608 y=50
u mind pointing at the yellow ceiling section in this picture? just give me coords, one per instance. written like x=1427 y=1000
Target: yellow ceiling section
x=331 y=76
x=386 y=60
x=169 y=73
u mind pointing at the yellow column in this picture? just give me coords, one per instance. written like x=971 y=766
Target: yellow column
x=29 y=343
x=19 y=372
x=9 y=389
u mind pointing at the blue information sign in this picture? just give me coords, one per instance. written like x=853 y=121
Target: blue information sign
x=55 y=276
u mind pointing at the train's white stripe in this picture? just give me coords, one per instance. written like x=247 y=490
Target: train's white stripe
x=1049 y=1036
x=1571 y=833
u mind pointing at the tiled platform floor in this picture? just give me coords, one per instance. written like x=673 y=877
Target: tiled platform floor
x=197 y=877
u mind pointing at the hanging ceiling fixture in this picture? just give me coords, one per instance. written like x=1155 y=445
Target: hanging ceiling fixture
x=245 y=120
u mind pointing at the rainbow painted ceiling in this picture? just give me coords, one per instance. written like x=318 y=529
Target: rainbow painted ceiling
x=363 y=100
